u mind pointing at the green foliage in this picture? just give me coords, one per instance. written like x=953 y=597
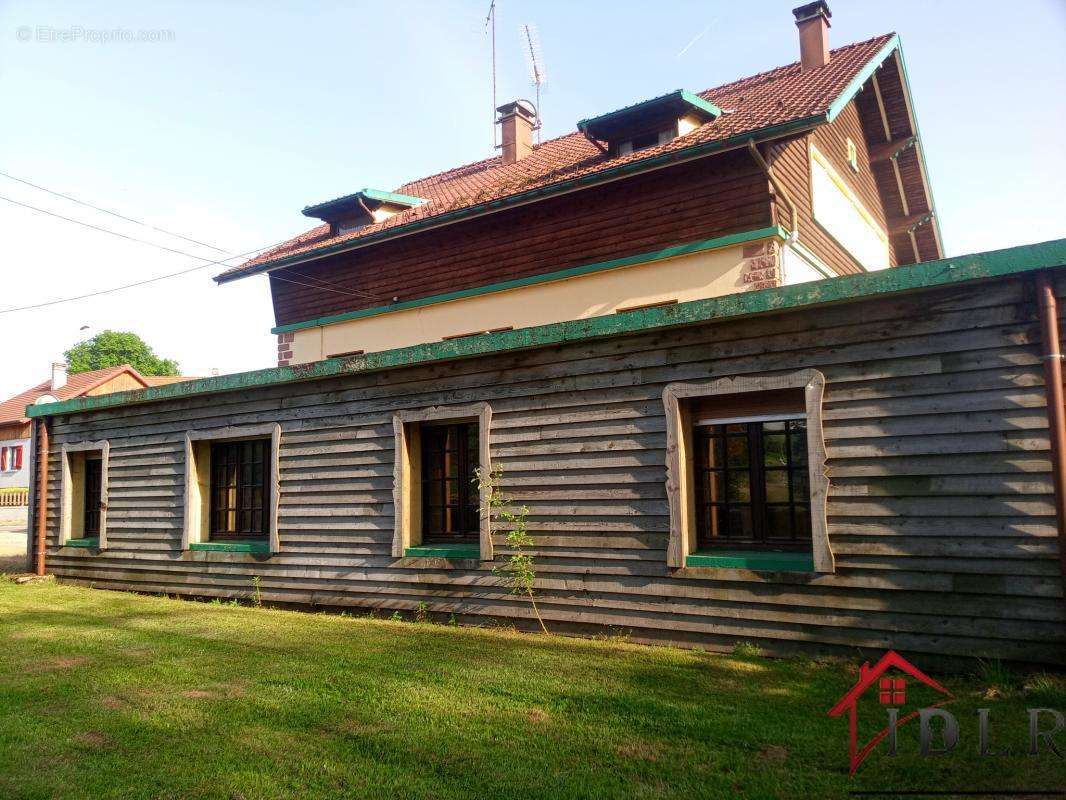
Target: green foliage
x=256 y=585
x=518 y=569
x=112 y=348
x=746 y=650
x=422 y=612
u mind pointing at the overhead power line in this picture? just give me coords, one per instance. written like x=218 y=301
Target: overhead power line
x=108 y=211
x=320 y=284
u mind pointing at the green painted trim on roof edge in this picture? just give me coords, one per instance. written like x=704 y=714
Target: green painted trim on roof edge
x=393 y=197
x=232 y=547
x=992 y=264
x=91 y=542
x=921 y=148
x=856 y=83
x=756 y=560
x=547 y=277
x=443 y=551
x=604 y=176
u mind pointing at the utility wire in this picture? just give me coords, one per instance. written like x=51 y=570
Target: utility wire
x=208 y=262
x=112 y=213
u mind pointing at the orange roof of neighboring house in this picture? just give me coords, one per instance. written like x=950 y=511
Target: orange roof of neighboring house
x=784 y=95
x=13 y=410
x=163 y=380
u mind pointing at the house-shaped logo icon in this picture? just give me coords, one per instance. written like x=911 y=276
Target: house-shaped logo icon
x=891 y=691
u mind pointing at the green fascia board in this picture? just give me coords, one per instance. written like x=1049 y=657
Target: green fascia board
x=588 y=125
x=753 y=559
x=855 y=84
x=547 y=277
x=393 y=197
x=376 y=195
x=92 y=542
x=927 y=275
x=541 y=192
x=232 y=547
x=443 y=551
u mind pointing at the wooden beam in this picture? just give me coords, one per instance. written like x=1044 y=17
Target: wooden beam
x=908 y=224
x=879 y=153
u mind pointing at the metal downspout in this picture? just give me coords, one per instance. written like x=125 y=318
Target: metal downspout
x=1047 y=304
x=781 y=191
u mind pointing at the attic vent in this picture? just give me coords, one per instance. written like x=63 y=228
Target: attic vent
x=651 y=123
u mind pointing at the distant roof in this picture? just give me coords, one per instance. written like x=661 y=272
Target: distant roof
x=14 y=409
x=769 y=103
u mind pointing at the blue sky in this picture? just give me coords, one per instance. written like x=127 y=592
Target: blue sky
x=250 y=111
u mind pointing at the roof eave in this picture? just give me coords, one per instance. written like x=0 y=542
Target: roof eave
x=846 y=288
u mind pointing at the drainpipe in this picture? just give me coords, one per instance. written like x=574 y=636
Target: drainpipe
x=781 y=191
x=1056 y=410
x=42 y=493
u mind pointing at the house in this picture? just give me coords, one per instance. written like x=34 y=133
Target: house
x=15 y=425
x=709 y=340
x=806 y=171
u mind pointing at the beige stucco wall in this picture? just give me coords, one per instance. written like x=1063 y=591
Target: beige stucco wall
x=691 y=277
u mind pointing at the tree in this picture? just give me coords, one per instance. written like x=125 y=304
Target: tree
x=112 y=348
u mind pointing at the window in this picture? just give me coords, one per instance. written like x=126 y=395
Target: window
x=91 y=500
x=239 y=489
x=3 y=458
x=16 y=457
x=440 y=511
x=853 y=155
x=83 y=494
x=752 y=490
x=746 y=479
x=232 y=490
x=645 y=140
x=450 y=507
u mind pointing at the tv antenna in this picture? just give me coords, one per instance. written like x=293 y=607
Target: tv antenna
x=490 y=24
x=535 y=62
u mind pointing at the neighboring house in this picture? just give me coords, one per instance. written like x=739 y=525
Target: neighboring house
x=860 y=461
x=15 y=425
x=803 y=172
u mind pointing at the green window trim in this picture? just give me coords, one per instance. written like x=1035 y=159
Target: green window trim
x=443 y=551
x=753 y=560
x=232 y=547
x=92 y=541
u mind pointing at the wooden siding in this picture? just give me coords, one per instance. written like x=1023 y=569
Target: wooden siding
x=699 y=200
x=940 y=507
x=790 y=160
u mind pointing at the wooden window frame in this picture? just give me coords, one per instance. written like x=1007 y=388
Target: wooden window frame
x=406 y=493
x=196 y=533
x=72 y=504
x=680 y=481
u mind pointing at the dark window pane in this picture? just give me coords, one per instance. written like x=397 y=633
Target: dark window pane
x=740 y=524
x=737 y=448
x=774 y=449
x=778 y=522
x=239 y=480
x=798 y=441
x=803 y=522
x=449 y=495
x=738 y=487
x=91 y=498
x=776 y=486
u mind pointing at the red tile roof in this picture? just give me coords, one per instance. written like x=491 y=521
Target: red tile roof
x=783 y=95
x=13 y=410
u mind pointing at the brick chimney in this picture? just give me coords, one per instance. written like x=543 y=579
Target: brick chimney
x=813 y=23
x=59 y=375
x=516 y=123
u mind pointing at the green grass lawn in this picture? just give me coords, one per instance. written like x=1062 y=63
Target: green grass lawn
x=113 y=695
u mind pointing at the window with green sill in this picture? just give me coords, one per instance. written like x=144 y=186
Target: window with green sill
x=752 y=491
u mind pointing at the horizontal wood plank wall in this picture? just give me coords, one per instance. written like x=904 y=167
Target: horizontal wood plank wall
x=696 y=201
x=940 y=510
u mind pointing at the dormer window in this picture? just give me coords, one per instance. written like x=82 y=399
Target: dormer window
x=651 y=123
x=645 y=140
x=355 y=211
